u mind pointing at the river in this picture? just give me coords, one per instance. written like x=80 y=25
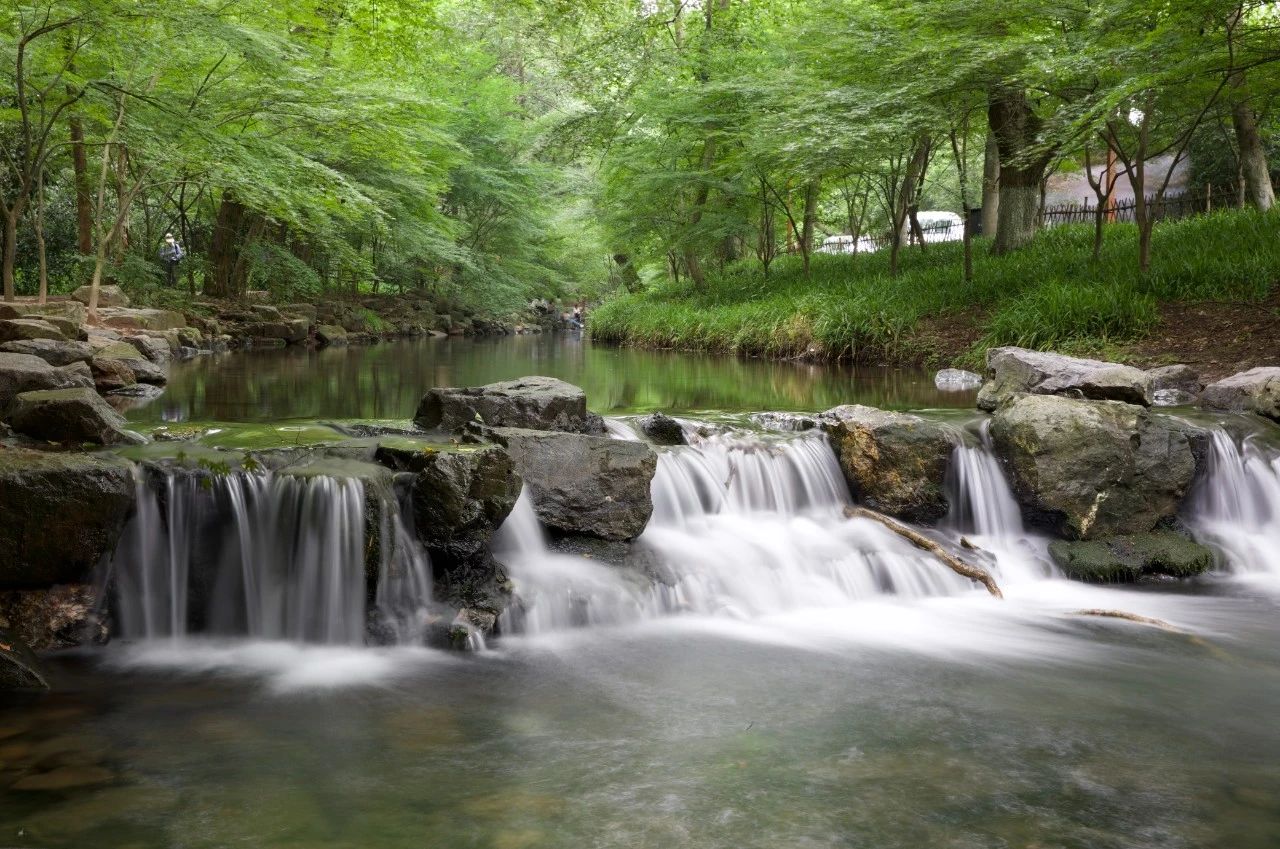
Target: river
x=806 y=682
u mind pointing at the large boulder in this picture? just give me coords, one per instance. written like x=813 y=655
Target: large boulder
x=584 y=484
x=53 y=351
x=537 y=403
x=894 y=462
x=1090 y=469
x=289 y=329
x=62 y=514
x=24 y=373
x=1013 y=371
x=13 y=329
x=1122 y=559
x=1254 y=391
x=73 y=416
x=72 y=311
x=108 y=296
x=331 y=335
x=142 y=319
x=156 y=349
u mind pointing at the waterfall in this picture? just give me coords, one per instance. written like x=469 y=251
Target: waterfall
x=267 y=556
x=1236 y=503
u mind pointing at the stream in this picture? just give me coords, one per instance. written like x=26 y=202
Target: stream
x=795 y=679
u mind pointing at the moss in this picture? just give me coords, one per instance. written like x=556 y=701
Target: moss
x=1124 y=559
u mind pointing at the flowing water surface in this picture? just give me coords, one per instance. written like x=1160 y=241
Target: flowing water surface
x=758 y=671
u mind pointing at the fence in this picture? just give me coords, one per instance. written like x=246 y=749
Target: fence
x=1168 y=208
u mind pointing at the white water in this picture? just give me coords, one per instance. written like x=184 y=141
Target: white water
x=265 y=556
x=1236 y=504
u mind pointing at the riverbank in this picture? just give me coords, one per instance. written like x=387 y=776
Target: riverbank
x=1213 y=283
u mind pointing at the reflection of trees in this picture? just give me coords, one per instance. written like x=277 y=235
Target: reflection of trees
x=387 y=381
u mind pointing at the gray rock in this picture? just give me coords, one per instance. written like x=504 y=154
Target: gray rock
x=1013 y=371
x=52 y=351
x=24 y=373
x=584 y=484
x=72 y=311
x=13 y=329
x=110 y=374
x=1254 y=391
x=1123 y=559
x=62 y=514
x=1090 y=469
x=108 y=296
x=19 y=666
x=289 y=329
x=957 y=380
x=537 y=403
x=1180 y=377
x=155 y=349
x=893 y=462
x=785 y=422
x=331 y=335
x=1173 y=398
x=121 y=318
x=146 y=371
x=307 y=311
x=71 y=416
x=661 y=429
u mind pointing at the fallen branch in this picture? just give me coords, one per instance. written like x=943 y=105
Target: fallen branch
x=921 y=541
x=1131 y=617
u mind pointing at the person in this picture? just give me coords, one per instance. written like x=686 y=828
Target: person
x=171 y=254
x=577 y=316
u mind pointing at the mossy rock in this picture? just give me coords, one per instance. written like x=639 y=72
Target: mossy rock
x=1124 y=559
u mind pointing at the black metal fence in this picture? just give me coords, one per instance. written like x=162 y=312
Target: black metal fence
x=1168 y=208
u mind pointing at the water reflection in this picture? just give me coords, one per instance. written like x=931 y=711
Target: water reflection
x=386 y=381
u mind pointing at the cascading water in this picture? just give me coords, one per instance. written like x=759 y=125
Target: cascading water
x=267 y=556
x=1236 y=504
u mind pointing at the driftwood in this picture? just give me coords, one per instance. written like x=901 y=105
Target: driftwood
x=921 y=541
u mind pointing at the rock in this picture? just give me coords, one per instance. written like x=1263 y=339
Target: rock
x=1091 y=469
x=71 y=416
x=19 y=666
x=460 y=497
x=307 y=311
x=1012 y=371
x=108 y=296
x=957 y=380
x=52 y=351
x=537 y=403
x=661 y=429
x=189 y=337
x=893 y=462
x=290 y=330
x=263 y=342
x=584 y=484
x=60 y=617
x=155 y=349
x=1174 y=386
x=1254 y=391
x=1123 y=559
x=24 y=373
x=331 y=335
x=785 y=422
x=72 y=311
x=68 y=328
x=146 y=371
x=142 y=319
x=13 y=329
x=110 y=374
x=62 y=514
x=1172 y=398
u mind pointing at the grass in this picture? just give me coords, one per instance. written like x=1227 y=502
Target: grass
x=1051 y=294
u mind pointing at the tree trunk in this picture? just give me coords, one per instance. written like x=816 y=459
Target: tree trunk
x=41 y=255
x=810 y=225
x=225 y=279
x=84 y=204
x=1253 y=157
x=991 y=187
x=906 y=199
x=1016 y=128
x=10 y=252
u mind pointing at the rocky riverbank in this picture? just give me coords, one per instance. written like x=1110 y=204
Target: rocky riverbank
x=1092 y=462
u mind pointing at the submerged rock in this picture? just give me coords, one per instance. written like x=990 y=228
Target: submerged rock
x=893 y=462
x=1123 y=559
x=19 y=666
x=1089 y=469
x=72 y=416
x=661 y=429
x=62 y=514
x=1014 y=371
x=956 y=380
x=537 y=403
x=1254 y=391
x=584 y=484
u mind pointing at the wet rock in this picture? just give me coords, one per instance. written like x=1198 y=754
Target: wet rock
x=55 y=352
x=110 y=374
x=19 y=666
x=145 y=371
x=1013 y=371
x=72 y=416
x=584 y=484
x=14 y=329
x=1090 y=469
x=331 y=335
x=957 y=380
x=785 y=422
x=537 y=403
x=132 y=397
x=1254 y=391
x=290 y=330
x=60 y=617
x=661 y=429
x=108 y=296
x=155 y=349
x=1123 y=559
x=893 y=462
x=24 y=373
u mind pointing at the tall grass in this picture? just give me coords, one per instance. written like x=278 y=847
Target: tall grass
x=1050 y=294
